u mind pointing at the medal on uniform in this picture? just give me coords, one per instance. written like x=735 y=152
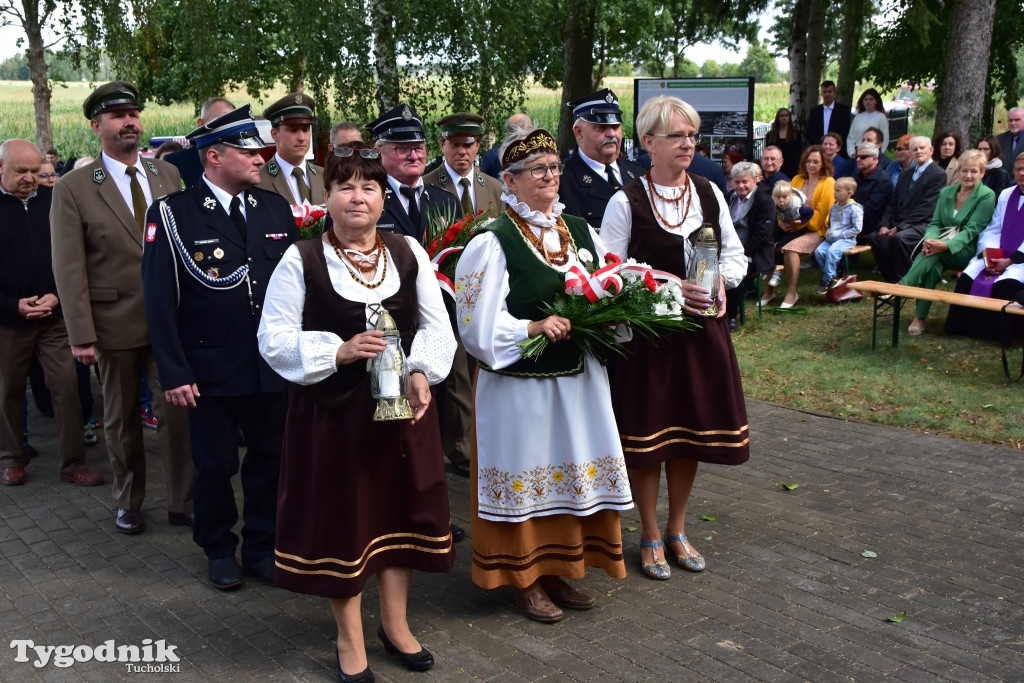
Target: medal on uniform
x=198 y=257
x=218 y=253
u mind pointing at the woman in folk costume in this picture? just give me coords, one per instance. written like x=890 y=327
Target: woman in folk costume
x=549 y=479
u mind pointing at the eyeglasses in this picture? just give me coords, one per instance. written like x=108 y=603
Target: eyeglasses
x=539 y=172
x=866 y=156
x=902 y=149
x=408 y=150
x=678 y=138
x=47 y=176
x=346 y=152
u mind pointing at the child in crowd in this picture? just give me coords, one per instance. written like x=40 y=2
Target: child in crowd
x=789 y=205
x=844 y=224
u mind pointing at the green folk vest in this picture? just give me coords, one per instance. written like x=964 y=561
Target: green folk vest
x=532 y=285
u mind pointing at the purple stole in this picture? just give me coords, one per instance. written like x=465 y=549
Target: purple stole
x=1010 y=239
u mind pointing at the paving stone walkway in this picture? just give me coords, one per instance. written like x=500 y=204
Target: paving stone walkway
x=788 y=594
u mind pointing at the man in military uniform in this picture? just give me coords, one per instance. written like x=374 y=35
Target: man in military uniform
x=187 y=160
x=595 y=172
x=457 y=174
x=408 y=204
x=210 y=251
x=97 y=220
x=288 y=173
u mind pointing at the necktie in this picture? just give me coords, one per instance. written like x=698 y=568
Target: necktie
x=236 y=216
x=612 y=180
x=414 y=205
x=737 y=208
x=467 y=200
x=138 y=198
x=300 y=180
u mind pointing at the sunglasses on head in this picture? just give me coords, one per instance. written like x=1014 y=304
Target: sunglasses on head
x=366 y=153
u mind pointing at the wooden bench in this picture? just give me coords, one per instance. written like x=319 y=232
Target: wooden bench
x=853 y=251
x=889 y=300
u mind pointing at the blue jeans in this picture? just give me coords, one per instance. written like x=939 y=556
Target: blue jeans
x=828 y=255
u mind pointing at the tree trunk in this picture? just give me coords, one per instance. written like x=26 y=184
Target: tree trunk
x=388 y=85
x=41 y=90
x=577 y=64
x=963 y=85
x=297 y=80
x=799 y=104
x=815 y=49
x=849 y=61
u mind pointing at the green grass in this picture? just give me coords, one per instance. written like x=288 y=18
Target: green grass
x=820 y=359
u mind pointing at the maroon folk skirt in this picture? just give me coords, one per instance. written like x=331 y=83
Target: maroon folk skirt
x=357 y=496
x=681 y=397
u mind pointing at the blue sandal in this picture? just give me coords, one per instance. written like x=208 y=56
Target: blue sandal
x=659 y=570
x=691 y=563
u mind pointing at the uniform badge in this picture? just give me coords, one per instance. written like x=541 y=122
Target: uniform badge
x=276 y=235
x=151 y=232
x=587 y=179
x=631 y=175
x=152 y=168
x=298 y=98
x=311 y=168
x=406 y=114
x=98 y=175
x=218 y=253
x=443 y=178
x=480 y=179
x=199 y=256
x=609 y=98
x=213 y=272
x=252 y=200
x=209 y=203
x=273 y=168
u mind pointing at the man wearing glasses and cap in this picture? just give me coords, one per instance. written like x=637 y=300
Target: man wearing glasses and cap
x=210 y=251
x=98 y=222
x=288 y=173
x=595 y=171
x=408 y=203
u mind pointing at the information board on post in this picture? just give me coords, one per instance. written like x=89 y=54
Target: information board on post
x=725 y=105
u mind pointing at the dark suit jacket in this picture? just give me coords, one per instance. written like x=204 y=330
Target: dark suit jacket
x=585 y=193
x=486 y=189
x=838 y=123
x=432 y=200
x=490 y=164
x=207 y=334
x=873 y=194
x=755 y=229
x=1009 y=154
x=912 y=207
x=188 y=165
x=97 y=255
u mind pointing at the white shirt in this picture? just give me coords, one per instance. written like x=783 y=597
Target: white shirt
x=224 y=198
x=293 y=185
x=123 y=181
x=456 y=178
x=598 y=167
x=827 y=115
x=397 y=189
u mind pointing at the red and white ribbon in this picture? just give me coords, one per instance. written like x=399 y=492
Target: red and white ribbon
x=443 y=281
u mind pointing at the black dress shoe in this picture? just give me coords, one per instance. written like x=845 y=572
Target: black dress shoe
x=364 y=676
x=225 y=573
x=262 y=569
x=458 y=533
x=418 y=661
x=734 y=325
x=461 y=468
x=130 y=521
x=181 y=519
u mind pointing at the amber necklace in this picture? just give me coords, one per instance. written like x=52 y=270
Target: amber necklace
x=367 y=262
x=685 y=194
x=558 y=258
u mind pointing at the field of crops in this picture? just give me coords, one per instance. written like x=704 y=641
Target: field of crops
x=73 y=136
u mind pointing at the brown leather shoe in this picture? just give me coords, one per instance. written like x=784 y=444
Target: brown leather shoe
x=534 y=603
x=564 y=595
x=14 y=476
x=83 y=477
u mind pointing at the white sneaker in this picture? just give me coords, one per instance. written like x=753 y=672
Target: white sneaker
x=775 y=279
x=89 y=435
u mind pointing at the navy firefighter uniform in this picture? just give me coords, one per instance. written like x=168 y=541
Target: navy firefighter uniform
x=205 y=270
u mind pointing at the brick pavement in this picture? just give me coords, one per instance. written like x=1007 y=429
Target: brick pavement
x=787 y=595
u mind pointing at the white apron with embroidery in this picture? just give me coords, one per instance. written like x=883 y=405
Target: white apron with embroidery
x=545 y=446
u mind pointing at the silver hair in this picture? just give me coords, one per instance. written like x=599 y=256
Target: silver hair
x=743 y=168
x=870 y=147
x=204 y=111
x=515 y=135
x=7 y=149
x=920 y=137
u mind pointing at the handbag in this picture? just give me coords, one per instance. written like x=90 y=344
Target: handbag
x=842 y=291
x=947 y=234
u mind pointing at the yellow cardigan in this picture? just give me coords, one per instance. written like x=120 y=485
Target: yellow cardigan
x=822 y=201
